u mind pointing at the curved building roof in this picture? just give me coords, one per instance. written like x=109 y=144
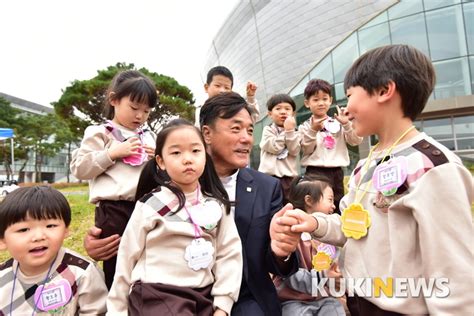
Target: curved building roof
x=275 y=43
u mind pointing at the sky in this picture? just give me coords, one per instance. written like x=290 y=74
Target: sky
x=50 y=43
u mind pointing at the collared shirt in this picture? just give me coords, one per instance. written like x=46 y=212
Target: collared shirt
x=230 y=185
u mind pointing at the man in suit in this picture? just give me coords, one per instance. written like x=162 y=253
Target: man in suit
x=227 y=128
x=267 y=242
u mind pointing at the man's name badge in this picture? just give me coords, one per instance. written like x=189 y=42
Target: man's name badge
x=206 y=214
x=332 y=126
x=390 y=175
x=53 y=295
x=321 y=261
x=199 y=254
x=355 y=221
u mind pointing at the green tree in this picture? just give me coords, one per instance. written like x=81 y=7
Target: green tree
x=41 y=138
x=88 y=96
x=11 y=118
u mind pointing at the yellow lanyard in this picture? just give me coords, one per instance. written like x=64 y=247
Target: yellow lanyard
x=358 y=196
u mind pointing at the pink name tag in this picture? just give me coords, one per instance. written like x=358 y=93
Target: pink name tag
x=53 y=295
x=390 y=175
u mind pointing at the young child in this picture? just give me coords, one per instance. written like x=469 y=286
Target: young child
x=42 y=277
x=181 y=246
x=408 y=210
x=280 y=144
x=220 y=80
x=323 y=139
x=112 y=155
x=311 y=194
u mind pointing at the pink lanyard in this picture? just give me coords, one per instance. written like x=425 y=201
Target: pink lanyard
x=197 y=230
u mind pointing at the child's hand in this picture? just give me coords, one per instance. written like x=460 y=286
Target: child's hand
x=317 y=124
x=306 y=222
x=289 y=124
x=129 y=147
x=334 y=273
x=150 y=151
x=251 y=90
x=342 y=115
x=219 y=312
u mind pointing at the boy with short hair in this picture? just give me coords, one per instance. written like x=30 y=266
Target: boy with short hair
x=324 y=140
x=408 y=210
x=42 y=276
x=280 y=144
x=220 y=80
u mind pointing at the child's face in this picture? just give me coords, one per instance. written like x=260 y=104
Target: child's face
x=319 y=104
x=324 y=205
x=130 y=114
x=363 y=111
x=280 y=112
x=219 y=84
x=34 y=243
x=183 y=158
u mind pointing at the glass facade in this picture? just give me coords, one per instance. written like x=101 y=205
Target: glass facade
x=444 y=31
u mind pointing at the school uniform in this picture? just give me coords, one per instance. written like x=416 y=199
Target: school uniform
x=421 y=231
x=326 y=157
x=151 y=259
x=74 y=286
x=112 y=184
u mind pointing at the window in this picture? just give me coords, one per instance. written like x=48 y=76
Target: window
x=404 y=8
x=438 y=128
x=469 y=23
x=323 y=70
x=344 y=55
x=374 y=36
x=411 y=31
x=433 y=4
x=452 y=78
x=446 y=33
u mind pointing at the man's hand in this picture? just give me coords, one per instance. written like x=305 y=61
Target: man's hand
x=100 y=249
x=283 y=240
x=305 y=223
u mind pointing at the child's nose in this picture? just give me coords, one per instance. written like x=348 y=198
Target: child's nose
x=38 y=234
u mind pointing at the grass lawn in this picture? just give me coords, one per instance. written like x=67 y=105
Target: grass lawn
x=82 y=218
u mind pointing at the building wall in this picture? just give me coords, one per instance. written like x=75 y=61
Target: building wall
x=282 y=45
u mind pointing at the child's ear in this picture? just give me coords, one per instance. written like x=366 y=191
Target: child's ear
x=160 y=162
x=67 y=233
x=113 y=101
x=387 y=92
x=306 y=103
x=3 y=245
x=206 y=86
x=308 y=200
x=269 y=113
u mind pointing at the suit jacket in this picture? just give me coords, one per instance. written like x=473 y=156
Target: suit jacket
x=258 y=198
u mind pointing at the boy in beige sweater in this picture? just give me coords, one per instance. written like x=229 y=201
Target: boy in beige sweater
x=324 y=139
x=408 y=210
x=280 y=144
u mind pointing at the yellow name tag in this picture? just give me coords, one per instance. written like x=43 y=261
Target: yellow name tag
x=321 y=261
x=355 y=221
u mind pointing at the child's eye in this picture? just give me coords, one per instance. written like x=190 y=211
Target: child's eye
x=51 y=225
x=22 y=230
x=196 y=150
x=174 y=153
